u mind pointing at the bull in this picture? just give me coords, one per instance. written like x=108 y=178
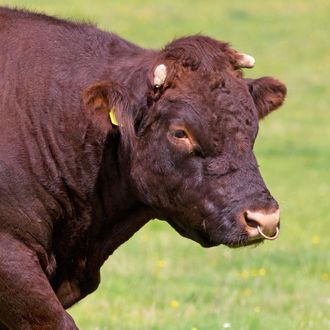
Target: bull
x=98 y=136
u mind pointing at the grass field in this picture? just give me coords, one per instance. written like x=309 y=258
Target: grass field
x=159 y=280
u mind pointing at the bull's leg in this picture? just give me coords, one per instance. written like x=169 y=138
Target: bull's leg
x=27 y=300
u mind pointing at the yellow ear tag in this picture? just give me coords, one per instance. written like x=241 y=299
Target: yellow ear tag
x=112 y=117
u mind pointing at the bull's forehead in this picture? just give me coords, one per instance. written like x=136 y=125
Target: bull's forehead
x=217 y=107
x=214 y=94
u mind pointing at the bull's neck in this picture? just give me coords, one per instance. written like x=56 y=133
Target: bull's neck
x=99 y=171
x=123 y=214
x=118 y=212
x=92 y=151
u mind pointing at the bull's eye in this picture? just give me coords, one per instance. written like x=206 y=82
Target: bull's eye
x=180 y=134
x=181 y=138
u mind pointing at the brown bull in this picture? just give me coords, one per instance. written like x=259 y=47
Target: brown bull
x=75 y=185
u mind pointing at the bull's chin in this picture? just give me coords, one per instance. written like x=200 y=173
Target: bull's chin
x=202 y=238
x=235 y=245
x=205 y=241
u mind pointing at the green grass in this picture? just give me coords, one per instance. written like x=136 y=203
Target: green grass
x=159 y=280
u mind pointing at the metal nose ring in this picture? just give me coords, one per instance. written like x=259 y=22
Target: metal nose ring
x=269 y=237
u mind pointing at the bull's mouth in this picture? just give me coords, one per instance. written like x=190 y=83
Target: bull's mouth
x=204 y=239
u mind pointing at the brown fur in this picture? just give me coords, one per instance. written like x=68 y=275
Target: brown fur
x=74 y=187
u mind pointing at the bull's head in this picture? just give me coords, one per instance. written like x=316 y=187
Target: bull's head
x=192 y=158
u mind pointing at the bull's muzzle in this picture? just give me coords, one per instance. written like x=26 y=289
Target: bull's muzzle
x=262 y=225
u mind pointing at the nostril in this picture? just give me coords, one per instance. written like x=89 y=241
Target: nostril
x=250 y=222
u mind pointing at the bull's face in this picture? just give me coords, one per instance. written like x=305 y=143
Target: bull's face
x=193 y=158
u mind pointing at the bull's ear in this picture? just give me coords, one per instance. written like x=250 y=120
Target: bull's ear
x=101 y=98
x=268 y=94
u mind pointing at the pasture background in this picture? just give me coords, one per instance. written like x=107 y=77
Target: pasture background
x=159 y=280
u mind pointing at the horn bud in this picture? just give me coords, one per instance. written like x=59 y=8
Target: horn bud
x=245 y=61
x=160 y=75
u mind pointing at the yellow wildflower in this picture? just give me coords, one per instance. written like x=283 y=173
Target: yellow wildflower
x=245 y=274
x=254 y=272
x=325 y=277
x=174 y=303
x=247 y=292
x=161 y=263
x=257 y=309
x=316 y=239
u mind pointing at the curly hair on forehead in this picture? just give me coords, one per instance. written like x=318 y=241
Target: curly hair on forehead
x=197 y=54
x=202 y=52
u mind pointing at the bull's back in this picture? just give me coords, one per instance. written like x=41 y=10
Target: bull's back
x=36 y=48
